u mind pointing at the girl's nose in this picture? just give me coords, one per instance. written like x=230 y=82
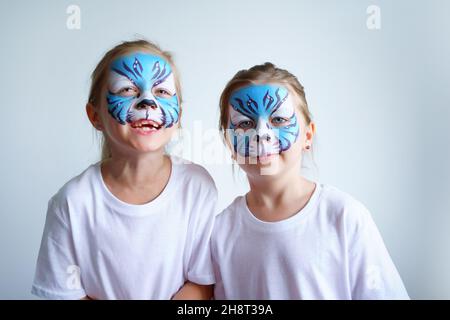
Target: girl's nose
x=147 y=104
x=264 y=137
x=263 y=132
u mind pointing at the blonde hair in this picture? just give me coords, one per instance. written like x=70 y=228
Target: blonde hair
x=263 y=73
x=100 y=74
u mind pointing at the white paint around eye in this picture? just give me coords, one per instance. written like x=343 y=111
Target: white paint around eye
x=237 y=117
x=285 y=110
x=116 y=82
x=168 y=85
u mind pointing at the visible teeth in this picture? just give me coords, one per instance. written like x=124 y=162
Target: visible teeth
x=147 y=126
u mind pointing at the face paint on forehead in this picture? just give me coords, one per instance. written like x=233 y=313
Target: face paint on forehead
x=262 y=120
x=141 y=86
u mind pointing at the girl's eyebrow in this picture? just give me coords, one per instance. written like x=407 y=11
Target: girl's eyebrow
x=158 y=82
x=114 y=88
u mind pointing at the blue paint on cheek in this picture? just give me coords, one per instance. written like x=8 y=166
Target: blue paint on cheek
x=288 y=135
x=170 y=109
x=145 y=71
x=260 y=102
x=118 y=107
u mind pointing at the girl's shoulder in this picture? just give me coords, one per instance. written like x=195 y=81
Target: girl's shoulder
x=73 y=194
x=329 y=202
x=78 y=187
x=232 y=211
x=227 y=222
x=343 y=210
x=337 y=202
x=185 y=173
x=192 y=175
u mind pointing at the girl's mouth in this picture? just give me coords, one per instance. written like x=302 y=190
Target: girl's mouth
x=267 y=156
x=145 y=126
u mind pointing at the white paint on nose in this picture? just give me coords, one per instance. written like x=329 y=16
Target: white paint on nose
x=263 y=130
x=138 y=113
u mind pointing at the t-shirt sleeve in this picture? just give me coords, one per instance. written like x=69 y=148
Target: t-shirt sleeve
x=373 y=274
x=200 y=269
x=57 y=273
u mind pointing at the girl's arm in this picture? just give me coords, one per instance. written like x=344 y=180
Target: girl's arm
x=373 y=274
x=57 y=273
x=193 y=291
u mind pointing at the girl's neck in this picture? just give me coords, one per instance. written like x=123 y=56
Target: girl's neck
x=136 y=171
x=273 y=198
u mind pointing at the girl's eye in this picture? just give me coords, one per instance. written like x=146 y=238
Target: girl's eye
x=247 y=124
x=160 y=92
x=128 y=92
x=278 y=121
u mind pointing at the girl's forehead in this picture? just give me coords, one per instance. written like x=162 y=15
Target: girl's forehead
x=260 y=94
x=259 y=90
x=139 y=58
x=142 y=67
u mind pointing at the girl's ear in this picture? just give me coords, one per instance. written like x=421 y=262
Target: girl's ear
x=310 y=132
x=181 y=112
x=94 y=116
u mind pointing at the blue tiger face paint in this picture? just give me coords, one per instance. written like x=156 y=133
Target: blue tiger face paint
x=262 y=120
x=141 y=86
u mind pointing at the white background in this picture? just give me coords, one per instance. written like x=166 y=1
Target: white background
x=380 y=99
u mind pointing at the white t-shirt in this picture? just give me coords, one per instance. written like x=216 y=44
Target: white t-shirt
x=331 y=249
x=125 y=251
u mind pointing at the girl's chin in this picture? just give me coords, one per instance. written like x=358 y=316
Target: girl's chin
x=148 y=141
x=147 y=148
